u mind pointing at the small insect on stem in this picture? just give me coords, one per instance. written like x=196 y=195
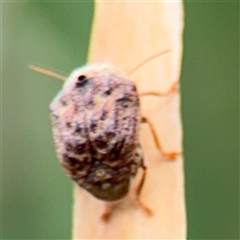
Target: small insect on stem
x=96 y=121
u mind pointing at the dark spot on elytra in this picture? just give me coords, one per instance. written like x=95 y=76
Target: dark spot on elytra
x=107 y=93
x=119 y=144
x=68 y=124
x=78 y=128
x=81 y=167
x=101 y=142
x=85 y=159
x=110 y=134
x=104 y=114
x=93 y=125
x=82 y=80
x=114 y=154
x=124 y=101
x=69 y=147
x=71 y=161
x=80 y=148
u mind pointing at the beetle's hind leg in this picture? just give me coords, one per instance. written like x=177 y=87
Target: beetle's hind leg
x=147 y=210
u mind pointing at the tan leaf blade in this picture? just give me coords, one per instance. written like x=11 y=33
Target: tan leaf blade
x=124 y=34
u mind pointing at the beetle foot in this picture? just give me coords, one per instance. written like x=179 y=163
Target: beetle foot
x=171 y=156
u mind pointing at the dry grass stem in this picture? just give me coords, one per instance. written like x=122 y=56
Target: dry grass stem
x=126 y=33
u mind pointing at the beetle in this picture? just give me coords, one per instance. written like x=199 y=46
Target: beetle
x=96 y=122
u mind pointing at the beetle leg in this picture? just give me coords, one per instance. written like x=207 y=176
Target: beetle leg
x=168 y=156
x=173 y=89
x=139 y=189
x=141 y=183
x=108 y=211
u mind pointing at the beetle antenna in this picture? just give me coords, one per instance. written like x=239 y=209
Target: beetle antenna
x=146 y=61
x=47 y=72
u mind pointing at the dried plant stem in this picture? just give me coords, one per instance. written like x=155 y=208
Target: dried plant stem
x=125 y=34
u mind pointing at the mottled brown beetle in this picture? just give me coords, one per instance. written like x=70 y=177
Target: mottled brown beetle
x=96 y=122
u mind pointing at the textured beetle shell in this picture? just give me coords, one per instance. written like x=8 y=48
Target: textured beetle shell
x=96 y=130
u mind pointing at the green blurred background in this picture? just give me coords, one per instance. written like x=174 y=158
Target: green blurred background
x=36 y=196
